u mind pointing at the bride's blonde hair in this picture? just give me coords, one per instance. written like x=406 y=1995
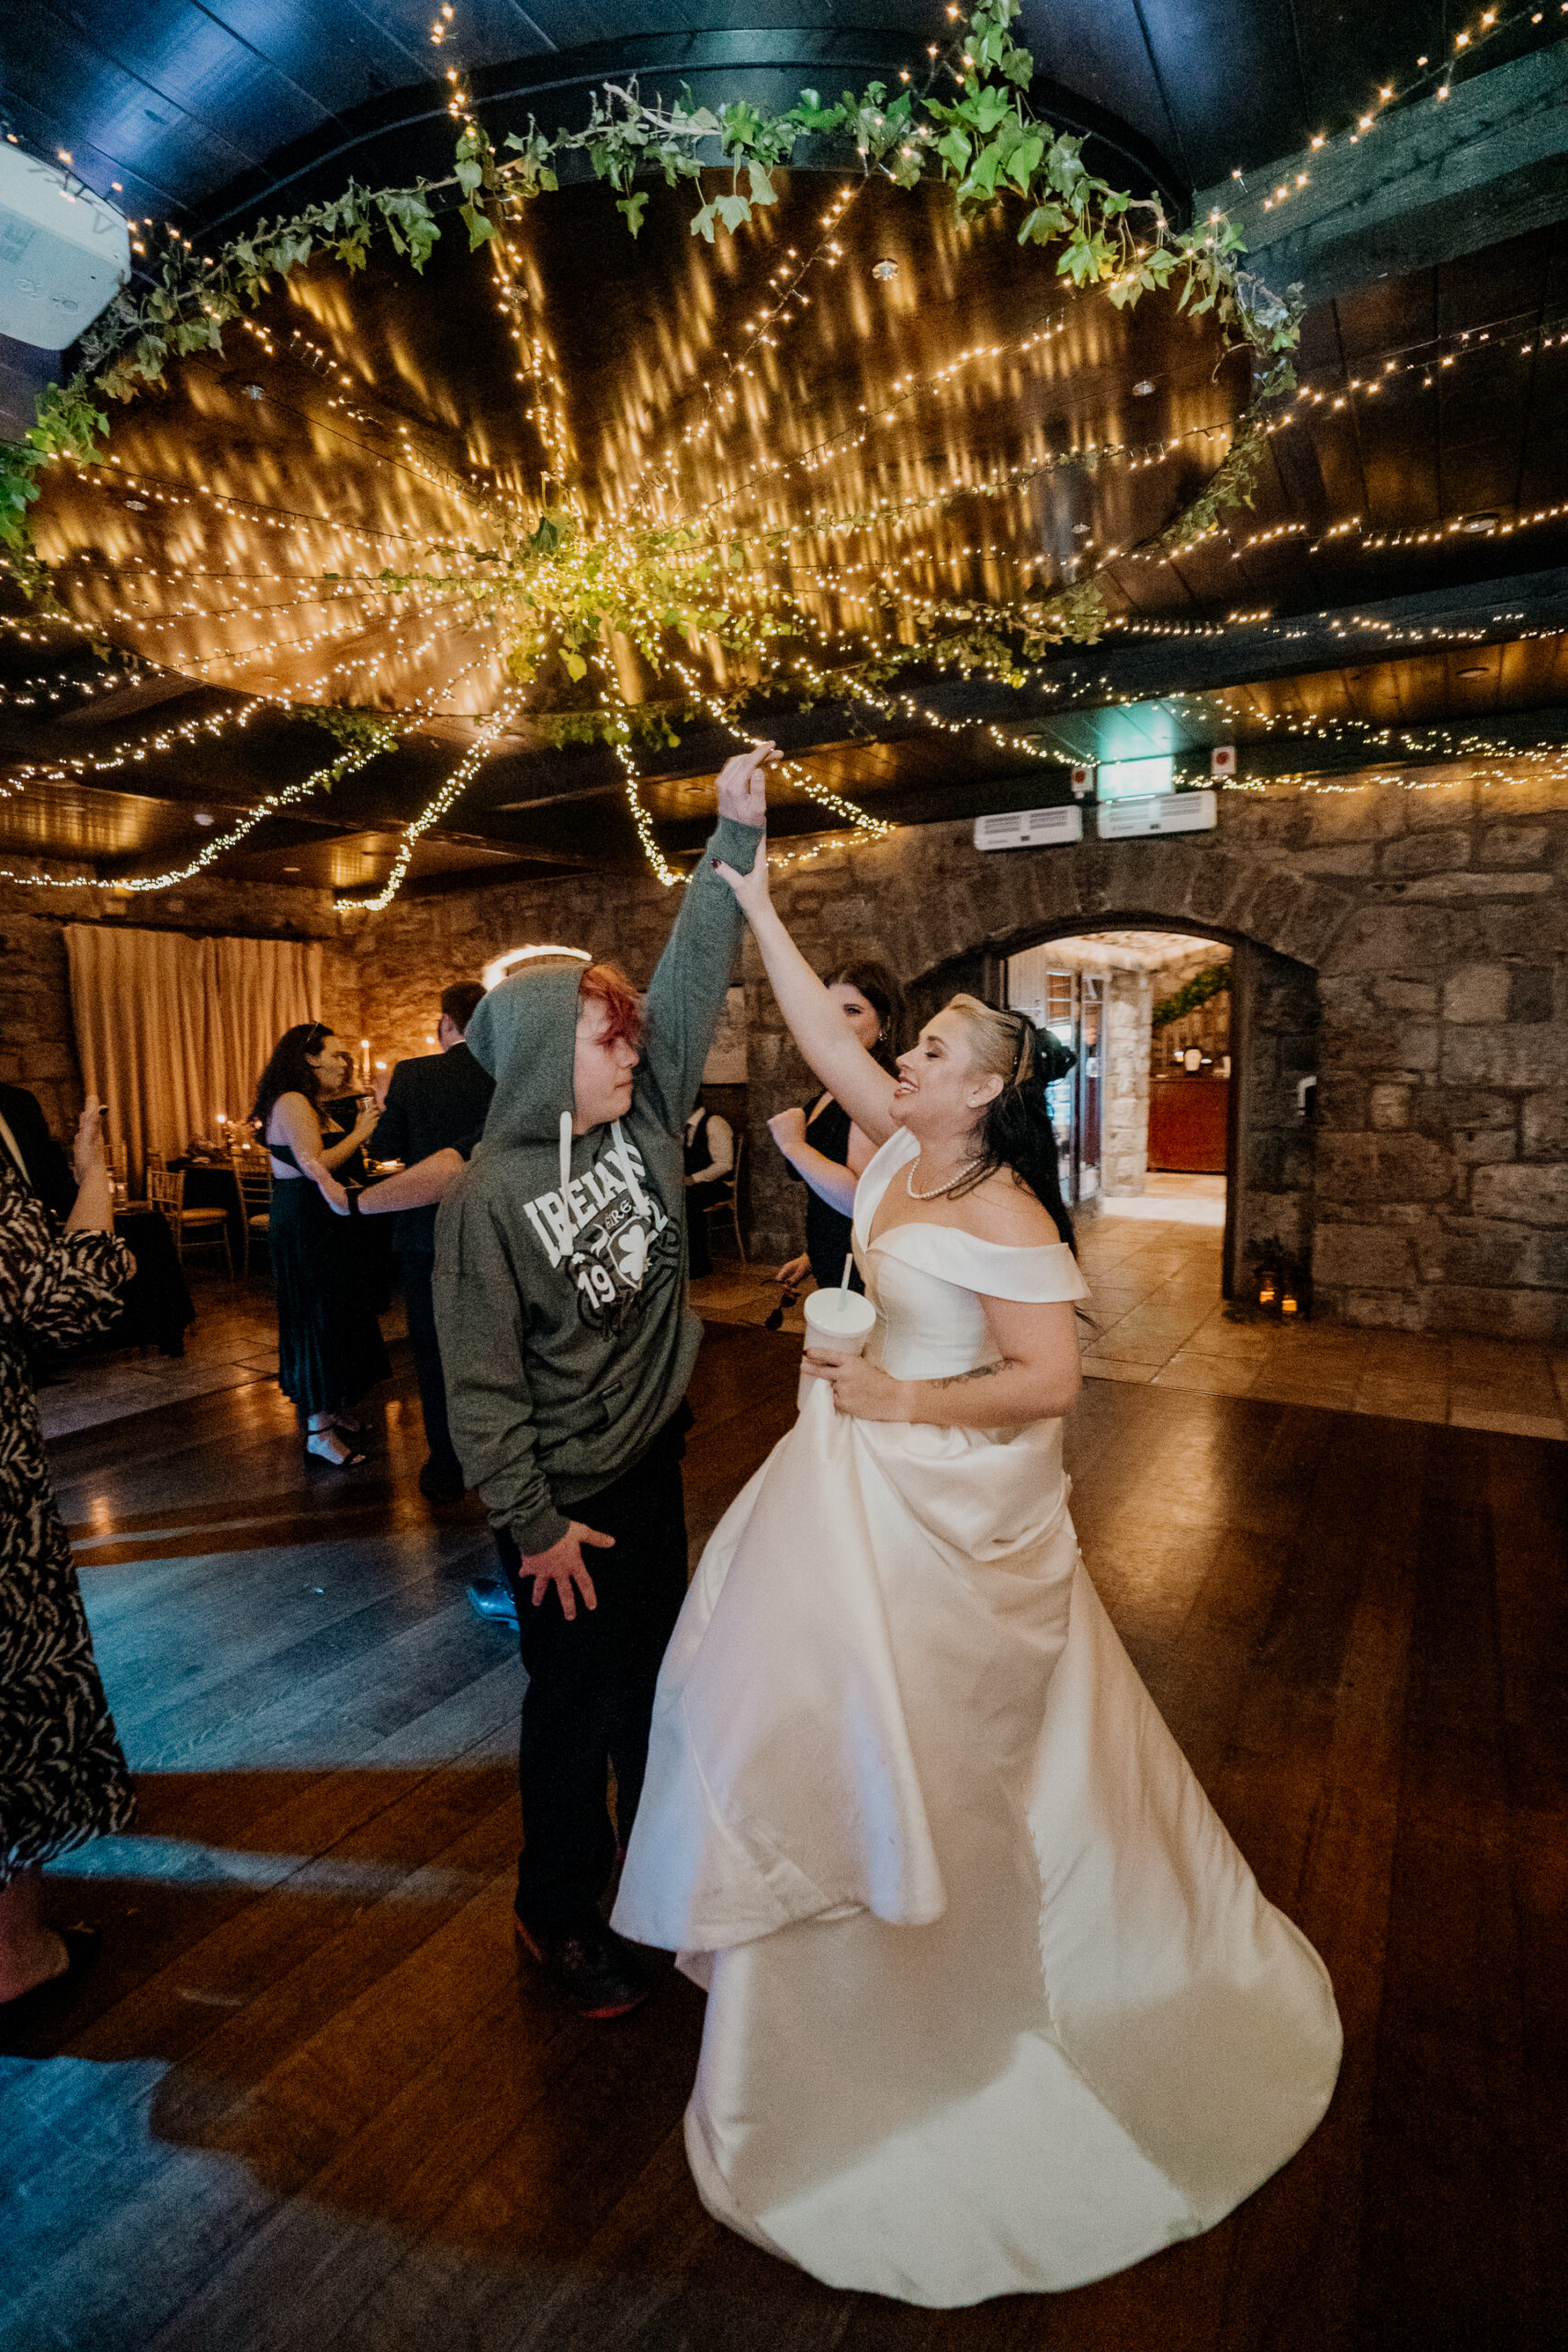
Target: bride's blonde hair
x=1015 y=1128
x=1001 y=1044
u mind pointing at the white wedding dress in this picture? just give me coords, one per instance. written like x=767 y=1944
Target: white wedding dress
x=994 y=2002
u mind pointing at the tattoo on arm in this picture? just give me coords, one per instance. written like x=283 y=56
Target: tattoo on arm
x=957 y=1379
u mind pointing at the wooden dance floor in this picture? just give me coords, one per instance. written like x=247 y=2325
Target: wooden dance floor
x=307 y=2104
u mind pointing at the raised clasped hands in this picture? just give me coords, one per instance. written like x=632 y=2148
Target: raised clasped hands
x=860 y=1388
x=742 y=788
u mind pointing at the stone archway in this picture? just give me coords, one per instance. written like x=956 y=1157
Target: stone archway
x=938 y=911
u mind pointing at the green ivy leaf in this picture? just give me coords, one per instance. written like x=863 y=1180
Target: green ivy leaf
x=1045 y=222
x=633 y=208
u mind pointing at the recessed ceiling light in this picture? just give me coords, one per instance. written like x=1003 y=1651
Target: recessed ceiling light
x=1480 y=670
x=291 y=869
x=884 y=269
x=1080 y=530
x=254 y=391
x=1143 y=388
x=1479 y=524
x=137 y=505
x=201 y=818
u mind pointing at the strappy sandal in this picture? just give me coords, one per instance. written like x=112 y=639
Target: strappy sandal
x=316 y=1451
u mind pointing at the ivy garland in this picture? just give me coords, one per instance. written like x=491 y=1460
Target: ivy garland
x=1214 y=981
x=553 y=591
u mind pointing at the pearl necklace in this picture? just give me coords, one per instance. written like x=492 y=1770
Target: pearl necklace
x=966 y=1170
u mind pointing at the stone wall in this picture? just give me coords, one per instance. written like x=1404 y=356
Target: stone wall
x=1411 y=946
x=1124 y=1085
x=38 y=1043
x=1411 y=950
x=406 y=957
x=1278 y=1144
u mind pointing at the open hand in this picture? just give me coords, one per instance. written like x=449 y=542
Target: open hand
x=860 y=1388
x=743 y=793
x=562 y=1569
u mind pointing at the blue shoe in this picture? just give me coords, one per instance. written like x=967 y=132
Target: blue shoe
x=488 y=1597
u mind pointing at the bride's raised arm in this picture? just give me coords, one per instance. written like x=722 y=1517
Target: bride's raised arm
x=815 y=1021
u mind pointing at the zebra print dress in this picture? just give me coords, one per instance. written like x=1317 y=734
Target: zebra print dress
x=63 y=1777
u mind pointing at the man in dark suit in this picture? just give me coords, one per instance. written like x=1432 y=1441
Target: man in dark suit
x=27 y=1142
x=434 y=1101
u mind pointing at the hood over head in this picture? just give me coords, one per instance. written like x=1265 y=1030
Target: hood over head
x=524 y=1034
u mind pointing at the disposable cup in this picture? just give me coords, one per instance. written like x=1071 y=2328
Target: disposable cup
x=842 y=1319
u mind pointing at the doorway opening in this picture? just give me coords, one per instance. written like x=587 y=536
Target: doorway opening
x=1142 y=1120
x=1144 y=1126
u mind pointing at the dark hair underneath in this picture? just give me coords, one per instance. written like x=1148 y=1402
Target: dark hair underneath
x=461 y=1002
x=885 y=995
x=1016 y=1131
x=289 y=1072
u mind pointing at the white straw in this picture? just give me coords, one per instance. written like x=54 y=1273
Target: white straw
x=849 y=1267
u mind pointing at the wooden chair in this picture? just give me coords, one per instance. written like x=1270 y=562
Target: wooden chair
x=728 y=1201
x=252 y=1182
x=166 y=1192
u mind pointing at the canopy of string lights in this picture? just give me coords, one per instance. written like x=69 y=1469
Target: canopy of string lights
x=866 y=423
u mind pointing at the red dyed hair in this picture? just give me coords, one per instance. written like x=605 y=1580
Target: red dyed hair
x=607 y=984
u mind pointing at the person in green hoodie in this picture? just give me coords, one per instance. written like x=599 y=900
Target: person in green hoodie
x=561 y=1300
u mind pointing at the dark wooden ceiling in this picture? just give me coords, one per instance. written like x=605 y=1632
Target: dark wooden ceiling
x=193 y=105
x=1402 y=562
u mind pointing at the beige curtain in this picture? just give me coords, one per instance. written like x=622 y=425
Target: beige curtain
x=171 y=1030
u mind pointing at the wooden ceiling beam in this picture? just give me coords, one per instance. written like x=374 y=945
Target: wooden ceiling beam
x=1436 y=180
x=1291 y=644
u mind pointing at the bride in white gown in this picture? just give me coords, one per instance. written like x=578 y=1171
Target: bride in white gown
x=994 y=2002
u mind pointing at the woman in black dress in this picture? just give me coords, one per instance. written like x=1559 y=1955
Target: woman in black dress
x=823 y=1146
x=330 y=1349
x=63 y=1777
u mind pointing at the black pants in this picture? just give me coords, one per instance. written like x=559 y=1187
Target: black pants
x=417 y=1267
x=590 y=1695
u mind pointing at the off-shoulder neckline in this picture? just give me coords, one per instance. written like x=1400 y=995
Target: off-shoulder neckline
x=931 y=1225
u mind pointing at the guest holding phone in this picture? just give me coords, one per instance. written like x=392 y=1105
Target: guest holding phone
x=330 y=1349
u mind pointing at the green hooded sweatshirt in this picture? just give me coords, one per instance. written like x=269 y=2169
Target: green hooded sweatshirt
x=560 y=1261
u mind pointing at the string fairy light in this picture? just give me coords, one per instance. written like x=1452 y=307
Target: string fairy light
x=1426 y=78
x=870 y=588
x=274 y=804
x=457 y=783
